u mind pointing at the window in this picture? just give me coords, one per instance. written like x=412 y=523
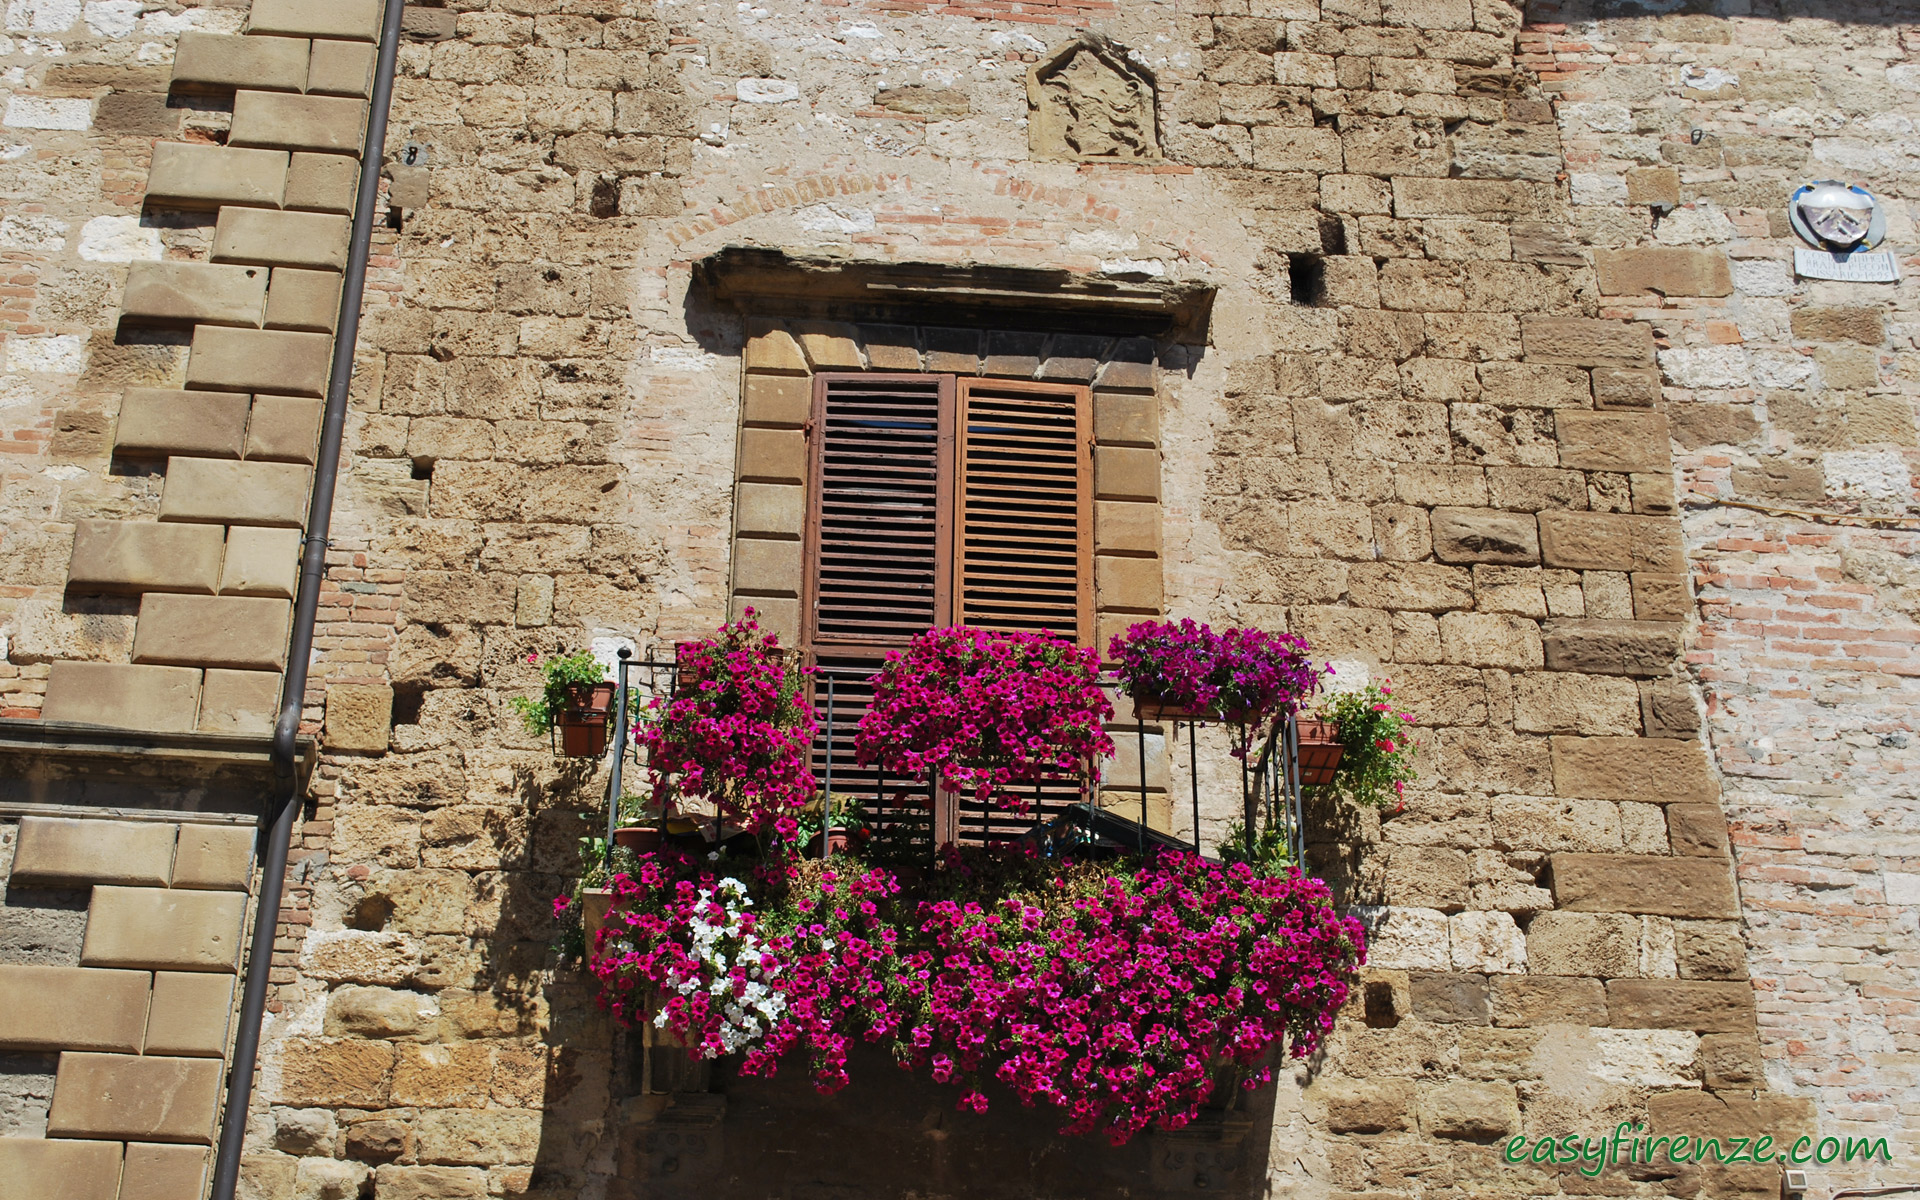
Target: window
x=939 y=500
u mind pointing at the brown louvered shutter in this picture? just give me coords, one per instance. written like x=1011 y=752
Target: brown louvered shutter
x=1023 y=544
x=877 y=530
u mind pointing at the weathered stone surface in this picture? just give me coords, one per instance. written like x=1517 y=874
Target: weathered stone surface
x=1670 y=271
x=321 y=182
x=357 y=956
x=194 y=293
x=160 y=421
x=1710 y=950
x=296 y=239
x=484 y=1138
x=146 y=1099
x=1619 y=387
x=1697 y=829
x=1569 y=702
x=329 y=124
x=239 y=701
x=1645 y=883
x=72 y=1008
x=1730 y=1060
x=1701 y=1006
x=1474 y=1111
x=1585 y=342
x=1449 y=998
x=162 y=1172
x=1583 y=943
x=259 y=360
x=141 y=556
x=260 y=562
x=61 y=1167
x=1659 y=770
x=1532 y=1000
x=81 y=852
x=1485 y=535
x=340 y=68
x=215 y=61
x=218 y=857
x=307 y=300
x=376 y=1012
x=222 y=492
x=124 y=697
x=317 y=1071
x=1819 y=324
x=189 y=1014
x=1124 y=473
x=1365 y=1106
x=1610 y=441
x=359 y=716
x=243 y=632
x=192 y=175
x=163 y=930
x=1611 y=647
x=394 y=1182
x=1487 y=941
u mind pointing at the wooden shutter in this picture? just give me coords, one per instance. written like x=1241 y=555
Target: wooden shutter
x=1023 y=549
x=878 y=566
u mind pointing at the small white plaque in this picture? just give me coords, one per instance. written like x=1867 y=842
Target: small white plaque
x=1853 y=268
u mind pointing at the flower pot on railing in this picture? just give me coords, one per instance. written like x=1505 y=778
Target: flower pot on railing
x=595 y=904
x=1158 y=708
x=641 y=839
x=1320 y=751
x=582 y=722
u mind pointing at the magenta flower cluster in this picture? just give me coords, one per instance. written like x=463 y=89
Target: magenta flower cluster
x=736 y=729
x=1123 y=999
x=986 y=710
x=1245 y=675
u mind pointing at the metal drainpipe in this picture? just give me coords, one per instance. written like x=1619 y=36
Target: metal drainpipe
x=277 y=822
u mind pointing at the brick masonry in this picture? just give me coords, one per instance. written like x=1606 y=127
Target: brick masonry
x=1496 y=341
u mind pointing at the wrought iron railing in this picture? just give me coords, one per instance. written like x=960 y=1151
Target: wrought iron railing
x=1063 y=816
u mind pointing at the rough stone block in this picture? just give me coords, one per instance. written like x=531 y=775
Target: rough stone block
x=217 y=857
x=359 y=717
x=1126 y=527
x=1128 y=584
x=1450 y=999
x=772 y=349
x=178 y=293
x=1622 y=387
x=1814 y=324
x=1523 y=1001
x=251 y=493
x=1641 y=648
x=331 y=1073
x=160 y=699
x=60 y=1168
x=831 y=346
x=72 y=1008
x=1415 y=196
x=1656 y=770
x=409 y=187
x=777 y=400
x=1611 y=542
x=1587 y=342
x=1468 y=1110
x=293 y=239
x=765 y=567
x=770 y=508
x=217 y=62
x=1653 y=185
x=1365 y=1105
x=260 y=562
x=1670 y=271
x=340 y=68
x=81 y=852
x=161 y=1172
x=1485 y=535
x=259 y=360
x=303 y=300
x=161 y=421
x=321 y=182
x=1584 y=943
x=141 y=556
x=1613 y=441
x=1654 y=884
x=773 y=456
x=192 y=175
x=1661 y=597
x=1125 y=473
x=175 y=929
x=429 y=1183
x=352 y=20
x=1699 y=829
x=189 y=1014
x=284 y=429
x=328 y=124
x=239 y=701
x=146 y=1099
x=1731 y=1061
x=1123 y=419
x=1700 y=1005
x=244 y=632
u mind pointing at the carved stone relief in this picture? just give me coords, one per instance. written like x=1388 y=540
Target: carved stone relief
x=1089 y=103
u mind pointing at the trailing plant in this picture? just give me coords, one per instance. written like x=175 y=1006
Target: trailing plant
x=986 y=710
x=1270 y=854
x=1243 y=675
x=735 y=730
x=1119 y=993
x=563 y=672
x=1378 y=762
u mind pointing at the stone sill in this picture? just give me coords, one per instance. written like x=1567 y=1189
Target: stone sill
x=61 y=764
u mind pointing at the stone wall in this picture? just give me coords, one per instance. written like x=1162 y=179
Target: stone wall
x=1453 y=372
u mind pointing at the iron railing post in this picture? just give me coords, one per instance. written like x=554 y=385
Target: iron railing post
x=614 y=785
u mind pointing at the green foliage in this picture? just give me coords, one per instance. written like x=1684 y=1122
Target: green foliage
x=562 y=671
x=1378 y=762
x=1271 y=855
x=644 y=809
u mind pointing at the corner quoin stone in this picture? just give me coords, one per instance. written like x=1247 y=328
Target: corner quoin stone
x=219 y=61
x=243 y=632
x=72 y=1008
x=1703 y=1006
x=1654 y=770
x=82 y=852
x=61 y=1167
x=259 y=360
x=1651 y=884
x=121 y=696
x=224 y=492
x=147 y=1099
x=190 y=175
x=239 y=701
x=165 y=422
x=331 y=124
x=144 y=556
x=163 y=930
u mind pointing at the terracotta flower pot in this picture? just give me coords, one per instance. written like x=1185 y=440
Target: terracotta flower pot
x=1320 y=751
x=837 y=842
x=1154 y=708
x=641 y=839
x=582 y=724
